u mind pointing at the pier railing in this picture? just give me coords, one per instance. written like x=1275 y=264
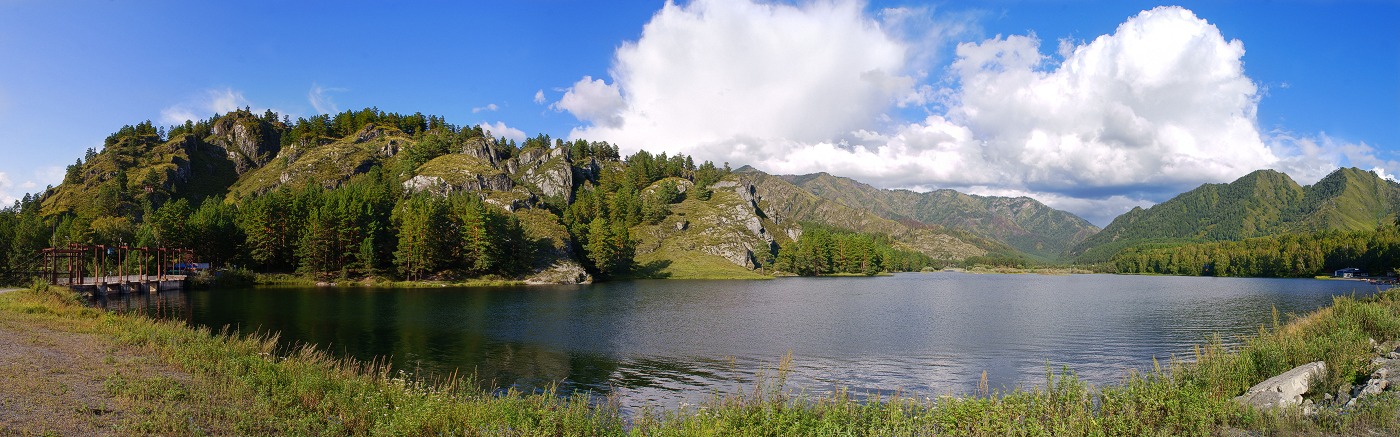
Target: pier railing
x=102 y=269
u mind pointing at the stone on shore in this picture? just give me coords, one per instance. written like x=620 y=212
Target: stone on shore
x=1284 y=390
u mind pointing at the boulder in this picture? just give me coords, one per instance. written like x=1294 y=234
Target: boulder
x=1284 y=390
x=1386 y=375
x=561 y=272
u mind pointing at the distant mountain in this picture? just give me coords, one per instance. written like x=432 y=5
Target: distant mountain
x=1020 y=222
x=1262 y=203
x=787 y=202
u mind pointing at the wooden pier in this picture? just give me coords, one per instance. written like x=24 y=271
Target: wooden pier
x=100 y=270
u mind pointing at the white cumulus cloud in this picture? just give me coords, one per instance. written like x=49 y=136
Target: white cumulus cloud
x=593 y=101
x=491 y=107
x=539 y=97
x=499 y=129
x=1125 y=119
x=720 y=73
x=1163 y=100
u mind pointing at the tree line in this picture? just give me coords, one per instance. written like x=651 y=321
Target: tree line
x=822 y=250
x=369 y=225
x=1285 y=255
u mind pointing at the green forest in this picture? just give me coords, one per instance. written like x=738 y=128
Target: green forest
x=1284 y=255
x=201 y=186
x=822 y=250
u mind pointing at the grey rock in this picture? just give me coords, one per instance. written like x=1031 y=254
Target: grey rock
x=466 y=182
x=1284 y=390
x=482 y=148
x=549 y=170
x=564 y=271
x=682 y=225
x=249 y=142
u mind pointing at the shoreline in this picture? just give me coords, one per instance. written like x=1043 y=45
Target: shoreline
x=225 y=383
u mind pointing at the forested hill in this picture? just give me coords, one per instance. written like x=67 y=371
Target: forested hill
x=373 y=194
x=1262 y=203
x=1021 y=222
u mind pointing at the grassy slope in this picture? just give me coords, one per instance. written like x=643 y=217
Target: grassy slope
x=665 y=252
x=1023 y=223
x=789 y=203
x=247 y=385
x=1260 y=204
x=327 y=165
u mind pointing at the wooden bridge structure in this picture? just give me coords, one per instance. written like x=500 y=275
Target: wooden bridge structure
x=114 y=269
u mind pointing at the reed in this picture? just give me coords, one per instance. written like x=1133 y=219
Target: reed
x=251 y=384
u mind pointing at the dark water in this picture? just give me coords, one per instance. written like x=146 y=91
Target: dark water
x=663 y=342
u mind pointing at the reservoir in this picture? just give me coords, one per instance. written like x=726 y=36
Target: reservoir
x=661 y=343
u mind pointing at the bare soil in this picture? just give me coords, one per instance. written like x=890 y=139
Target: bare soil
x=54 y=382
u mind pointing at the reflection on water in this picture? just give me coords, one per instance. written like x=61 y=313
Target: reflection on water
x=659 y=343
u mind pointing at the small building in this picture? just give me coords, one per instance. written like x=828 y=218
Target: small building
x=1349 y=272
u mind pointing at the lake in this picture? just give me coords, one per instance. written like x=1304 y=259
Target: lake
x=663 y=342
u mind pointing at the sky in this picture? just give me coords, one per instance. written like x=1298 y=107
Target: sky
x=1090 y=107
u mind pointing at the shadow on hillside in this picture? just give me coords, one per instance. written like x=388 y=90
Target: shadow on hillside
x=652 y=270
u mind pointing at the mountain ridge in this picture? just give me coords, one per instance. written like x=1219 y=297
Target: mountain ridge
x=1020 y=222
x=1261 y=203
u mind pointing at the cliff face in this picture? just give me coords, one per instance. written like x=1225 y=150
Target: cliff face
x=249 y=142
x=548 y=172
x=724 y=236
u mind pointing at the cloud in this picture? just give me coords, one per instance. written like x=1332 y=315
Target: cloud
x=1309 y=158
x=1162 y=101
x=1159 y=106
x=593 y=101
x=489 y=107
x=320 y=99
x=499 y=129
x=212 y=101
x=713 y=73
x=539 y=97
x=41 y=177
x=7 y=195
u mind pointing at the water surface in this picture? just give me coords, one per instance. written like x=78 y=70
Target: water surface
x=663 y=342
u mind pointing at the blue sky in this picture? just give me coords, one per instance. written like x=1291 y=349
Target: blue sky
x=1090 y=107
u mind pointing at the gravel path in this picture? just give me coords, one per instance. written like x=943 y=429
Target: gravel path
x=54 y=382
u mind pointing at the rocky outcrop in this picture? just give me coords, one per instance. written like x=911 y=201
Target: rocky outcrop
x=483 y=149
x=249 y=141
x=1385 y=377
x=1283 y=390
x=548 y=170
x=468 y=183
x=565 y=271
x=737 y=229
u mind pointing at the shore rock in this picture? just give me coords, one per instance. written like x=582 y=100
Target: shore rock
x=1284 y=390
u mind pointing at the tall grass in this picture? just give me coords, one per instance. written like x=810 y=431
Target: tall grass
x=247 y=384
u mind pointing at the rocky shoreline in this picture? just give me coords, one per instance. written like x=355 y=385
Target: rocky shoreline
x=1296 y=388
